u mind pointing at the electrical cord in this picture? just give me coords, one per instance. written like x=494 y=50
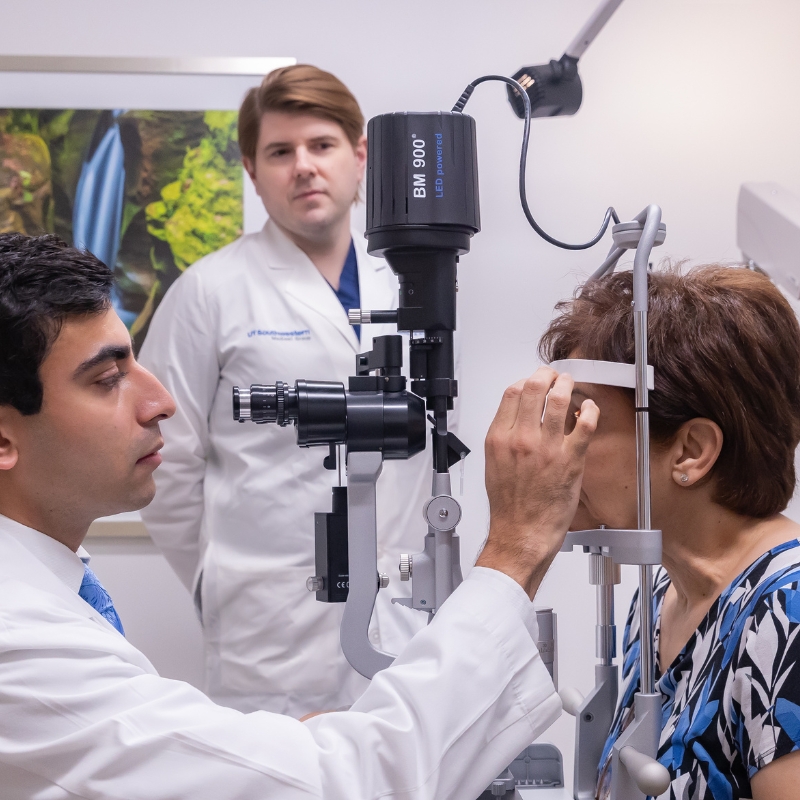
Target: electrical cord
x=523 y=196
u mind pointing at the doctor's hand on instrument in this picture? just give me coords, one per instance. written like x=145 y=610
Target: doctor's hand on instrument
x=534 y=468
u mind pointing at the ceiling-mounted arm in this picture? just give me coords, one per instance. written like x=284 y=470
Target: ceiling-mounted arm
x=555 y=89
x=588 y=33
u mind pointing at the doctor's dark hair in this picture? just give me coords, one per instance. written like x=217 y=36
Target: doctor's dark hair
x=42 y=283
x=725 y=345
x=299 y=89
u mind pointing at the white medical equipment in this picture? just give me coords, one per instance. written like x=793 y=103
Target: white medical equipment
x=768 y=232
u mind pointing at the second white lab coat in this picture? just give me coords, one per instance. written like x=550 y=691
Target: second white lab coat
x=236 y=502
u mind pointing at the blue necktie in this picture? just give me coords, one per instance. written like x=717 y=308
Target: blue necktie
x=97 y=597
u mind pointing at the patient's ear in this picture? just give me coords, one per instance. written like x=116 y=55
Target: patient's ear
x=694 y=450
x=8 y=447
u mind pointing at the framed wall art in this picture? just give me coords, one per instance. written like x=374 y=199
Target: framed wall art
x=134 y=159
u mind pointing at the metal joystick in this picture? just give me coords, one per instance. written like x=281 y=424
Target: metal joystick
x=649 y=776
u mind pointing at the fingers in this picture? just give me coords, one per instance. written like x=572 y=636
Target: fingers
x=534 y=396
x=585 y=426
x=558 y=400
x=506 y=414
x=542 y=401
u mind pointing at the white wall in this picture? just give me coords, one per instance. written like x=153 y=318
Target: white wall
x=683 y=101
x=155 y=609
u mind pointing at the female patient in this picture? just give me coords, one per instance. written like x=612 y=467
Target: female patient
x=725 y=422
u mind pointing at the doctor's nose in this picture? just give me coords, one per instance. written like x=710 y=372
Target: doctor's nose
x=304 y=165
x=155 y=402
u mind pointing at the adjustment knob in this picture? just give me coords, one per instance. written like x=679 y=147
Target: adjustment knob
x=355 y=316
x=241 y=404
x=383 y=580
x=442 y=512
x=280 y=404
x=405 y=566
x=315 y=584
x=501 y=786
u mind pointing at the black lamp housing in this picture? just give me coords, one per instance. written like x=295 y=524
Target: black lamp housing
x=554 y=89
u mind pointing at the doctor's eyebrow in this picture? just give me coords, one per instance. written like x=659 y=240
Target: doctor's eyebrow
x=327 y=137
x=111 y=352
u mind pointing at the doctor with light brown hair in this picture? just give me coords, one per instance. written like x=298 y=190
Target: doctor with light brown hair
x=234 y=513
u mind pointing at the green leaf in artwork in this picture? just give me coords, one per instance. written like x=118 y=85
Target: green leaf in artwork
x=129 y=211
x=201 y=211
x=58 y=126
x=158 y=264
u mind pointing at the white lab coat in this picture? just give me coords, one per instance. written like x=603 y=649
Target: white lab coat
x=84 y=714
x=236 y=502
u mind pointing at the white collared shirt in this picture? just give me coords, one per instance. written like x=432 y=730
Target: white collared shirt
x=65 y=564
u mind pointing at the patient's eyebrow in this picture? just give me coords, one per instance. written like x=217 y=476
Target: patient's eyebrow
x=111 y=352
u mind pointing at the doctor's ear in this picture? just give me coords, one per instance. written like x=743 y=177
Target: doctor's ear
x=361 y=151
x=249 y=167
x=694 y=451
x=9 y=455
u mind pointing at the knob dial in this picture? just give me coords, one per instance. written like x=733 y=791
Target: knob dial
x=316 y=583
x=405 y=566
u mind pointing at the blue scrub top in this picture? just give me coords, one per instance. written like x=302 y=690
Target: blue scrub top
x=348 y=291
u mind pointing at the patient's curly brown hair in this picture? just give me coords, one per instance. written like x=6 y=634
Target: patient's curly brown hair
x=725 y=345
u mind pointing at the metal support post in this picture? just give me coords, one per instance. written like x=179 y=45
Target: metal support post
x=594 y=716
x=634 y=772
x=363 y=470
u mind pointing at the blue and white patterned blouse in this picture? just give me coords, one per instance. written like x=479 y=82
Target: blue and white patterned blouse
x=731 y=698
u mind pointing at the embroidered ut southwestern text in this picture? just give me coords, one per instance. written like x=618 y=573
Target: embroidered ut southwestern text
x=278 y=336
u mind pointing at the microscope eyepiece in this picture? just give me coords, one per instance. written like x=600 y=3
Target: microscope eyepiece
x=318 y=408
x=367 y=418
x=265 y=403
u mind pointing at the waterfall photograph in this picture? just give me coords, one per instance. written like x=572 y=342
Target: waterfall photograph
x=147 y=192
